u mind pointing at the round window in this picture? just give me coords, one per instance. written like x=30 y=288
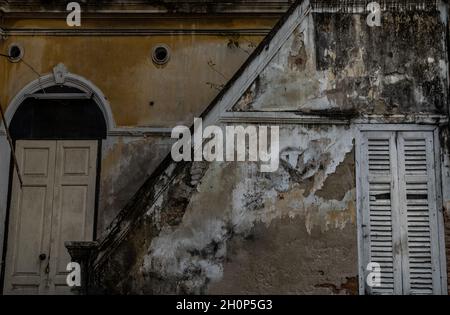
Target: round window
x=15 y=52
x=160 y=54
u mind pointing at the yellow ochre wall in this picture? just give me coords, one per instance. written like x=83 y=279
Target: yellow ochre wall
x=121 y=65
x=203 y=57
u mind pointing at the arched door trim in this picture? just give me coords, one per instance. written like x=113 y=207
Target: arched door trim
x=61 y=76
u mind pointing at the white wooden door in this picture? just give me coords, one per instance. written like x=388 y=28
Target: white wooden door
x=55 y=205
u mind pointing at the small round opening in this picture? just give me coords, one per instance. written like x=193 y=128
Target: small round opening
x=15 y=52
x=160 y=54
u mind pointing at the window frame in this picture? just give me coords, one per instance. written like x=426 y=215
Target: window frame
x=360 y=129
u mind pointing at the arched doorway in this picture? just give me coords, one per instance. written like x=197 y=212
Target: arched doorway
x=57 y=130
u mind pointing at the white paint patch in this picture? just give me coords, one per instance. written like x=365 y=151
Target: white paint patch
x=196 y=248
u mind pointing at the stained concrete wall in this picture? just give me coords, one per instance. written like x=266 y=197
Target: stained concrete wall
x=342 y=65
x=126 y=163
x=236 y=230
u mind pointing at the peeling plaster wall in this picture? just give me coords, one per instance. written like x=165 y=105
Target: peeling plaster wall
x=301 y=214
x=211 y=241
x=235 y=230
x=226 y=228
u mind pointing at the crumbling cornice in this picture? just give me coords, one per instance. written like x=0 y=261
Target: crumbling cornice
x=359 y=6
x=47 y=8
x=139 y=8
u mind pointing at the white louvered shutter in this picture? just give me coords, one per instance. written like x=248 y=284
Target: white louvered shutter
x=379 y=168
x=399 y=211
x=420 y=253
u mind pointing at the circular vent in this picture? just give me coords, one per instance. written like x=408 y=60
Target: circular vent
x=160 y=54
x=15 y=52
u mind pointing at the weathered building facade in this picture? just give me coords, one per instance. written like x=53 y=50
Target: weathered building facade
x=110 y=59
x=363 y=177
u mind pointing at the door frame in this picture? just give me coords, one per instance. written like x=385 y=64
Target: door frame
x=360 y=128
x=60 y=76
x=10 y=188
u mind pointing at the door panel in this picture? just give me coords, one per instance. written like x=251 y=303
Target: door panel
x=55 y=205
x=30 y=218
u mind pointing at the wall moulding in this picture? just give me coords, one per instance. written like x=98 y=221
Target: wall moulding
x=134 y=32
x=295 y=118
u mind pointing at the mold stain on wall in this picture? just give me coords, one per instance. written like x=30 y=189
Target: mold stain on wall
x=336 y=62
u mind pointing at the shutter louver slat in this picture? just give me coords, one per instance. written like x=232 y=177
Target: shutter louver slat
x=415 y=158
x=379 y=156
